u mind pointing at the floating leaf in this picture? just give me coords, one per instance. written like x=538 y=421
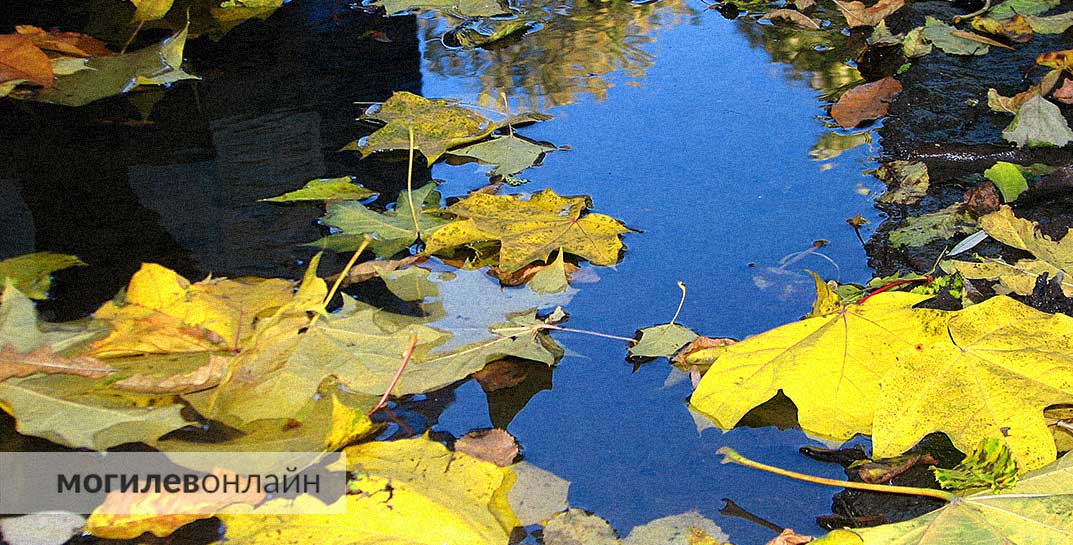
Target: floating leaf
x=793 y=17
x=529 y=230
x=67 y=410
x=32 y=273
x=1008 y=179
x=437 y=125
x=689 y=528
x=21 y=60
x=865 y=102
x=857 y=14
x=552 y=278
x=662 y=341
x=392 y=231
x=509 y=154
x=412 y=491
x=990 y=375
x=74 y=44
x=1022 y=234
x=326 y=189
x=150 y=10
x=830 y=365
x=466 y=8
x=210 y=314
x=1038 y=123
x=943 y=36
x=20 y=328
x=158 y=64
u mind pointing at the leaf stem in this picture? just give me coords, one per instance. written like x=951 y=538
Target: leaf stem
x=732 y=456
x=681 y=303
x=410 y=183
x=398 y=374
x=894 y=284
x=587 y=332
x=342 y=275
x=130 y=40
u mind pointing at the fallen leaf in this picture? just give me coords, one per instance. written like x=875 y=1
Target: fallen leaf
x=982 y=200
x=857 y=14
x=47 y=528
x=159 y=64
x=1064 y=94
x=941 y=224
x=412 y=491
x=376 y=268
x=989 y=465
x=662 y=341
x=1038 y=123
x=484 y=33
x=972 y=36
x=1012 y=8
x=793 y=17
x=437 y=125
x=509 y=154
x=577 y=526
x=1016 y=29
x=326 y=189
x=553 y=277
x=74 y=44
x=915 y=44
x=1054 y=24
x=150 y=10
x=21 y=60
x=1022 y=234
x=943 y=36
x=790 y=537
x=32 y=273
x=538 y=494
x=998 y=365
x=702 y=352
x=468 y=8
x=44 y=361
x=690 y=528
x=21 y=330
x=830 y=366
x=161 y=513
x=70 y=411
x=1019 y=277
x=494 y=446
x=153 y=377
x=529 y=230
x=392 y=231
x=865 y=102
x=211 y=314
x=1008 y=179
x=907 y=181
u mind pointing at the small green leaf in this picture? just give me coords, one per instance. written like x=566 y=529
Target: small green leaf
x=1038 y=123
x=326 y=189
x=1008 y=179
x=990 y=464
x=662 y=340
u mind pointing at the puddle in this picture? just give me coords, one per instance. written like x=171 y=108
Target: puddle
x=679 y=123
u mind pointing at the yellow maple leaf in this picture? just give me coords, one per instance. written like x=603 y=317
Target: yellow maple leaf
x=990 y=375
x=412 y=492
x=164 y=312
x=829 y=365
x=530 y=230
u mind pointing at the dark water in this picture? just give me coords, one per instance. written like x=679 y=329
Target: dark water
x=679 y=123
